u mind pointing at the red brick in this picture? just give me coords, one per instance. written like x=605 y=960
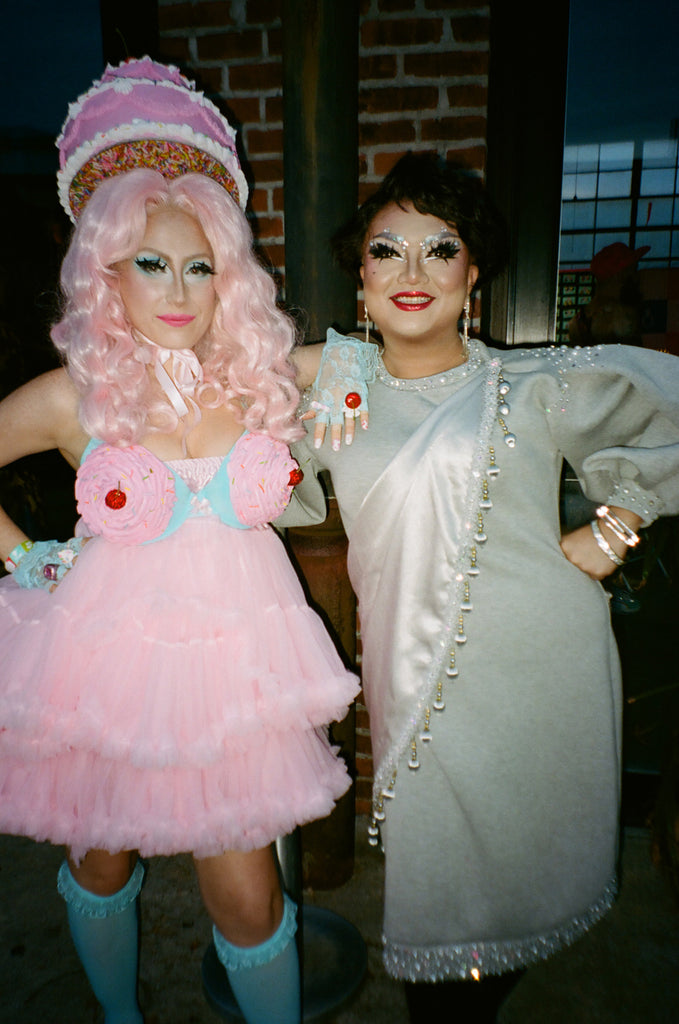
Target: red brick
x=387 y=133
x=394 y=6
x=191 y=16
x=274 y=42
x=453 y=128
x=274 y=255
x=209 y=80
x=264 y=12
x=363 y=744
x=436 y=5
x=452 y=64
x=473 y=157
x=270 y=227
x=273 y=108
x=265 y=170
x=364 y=790
x=245 y=108
x=230 y=45
x=385 y=161
x=174 y=51
x=214 y=15
x=401 y=32
x=467 y=96
x=175 y=16
x=378 y=65
x=277 y=202
x=259 y=201
x=265 y=140
x=393 y=99
x=256 y=78
x=472 y=29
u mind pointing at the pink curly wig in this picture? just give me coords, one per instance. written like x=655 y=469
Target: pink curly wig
x=245 y=354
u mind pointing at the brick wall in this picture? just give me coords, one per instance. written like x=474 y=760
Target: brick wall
x=423 y=67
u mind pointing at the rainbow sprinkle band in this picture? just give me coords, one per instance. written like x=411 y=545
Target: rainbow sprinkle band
x=172 y=159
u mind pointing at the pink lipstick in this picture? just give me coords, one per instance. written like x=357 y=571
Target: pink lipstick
x=176 y=321
x=412 y=301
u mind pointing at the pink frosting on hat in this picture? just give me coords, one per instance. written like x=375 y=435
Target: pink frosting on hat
x=141 y=100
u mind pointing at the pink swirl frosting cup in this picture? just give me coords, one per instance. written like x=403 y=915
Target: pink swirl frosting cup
x=263 y=474
x=124 y=494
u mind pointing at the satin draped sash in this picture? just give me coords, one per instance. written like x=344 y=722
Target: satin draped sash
x=408 y=553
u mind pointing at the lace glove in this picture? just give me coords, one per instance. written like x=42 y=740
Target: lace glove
x=47 y=562
x=340 y=392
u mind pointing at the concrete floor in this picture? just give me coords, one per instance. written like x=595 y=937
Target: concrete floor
x=625 y=971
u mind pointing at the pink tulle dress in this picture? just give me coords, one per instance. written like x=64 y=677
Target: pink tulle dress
x=173 y=693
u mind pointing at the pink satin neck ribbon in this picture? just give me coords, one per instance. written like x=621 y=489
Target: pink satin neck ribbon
x=179 y=383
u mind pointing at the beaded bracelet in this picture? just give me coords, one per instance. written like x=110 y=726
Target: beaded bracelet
x=603 y=543
x=618 y=527
x=16 y=554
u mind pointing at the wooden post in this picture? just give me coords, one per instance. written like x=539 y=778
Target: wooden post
x=320 y=158
x=320 y=155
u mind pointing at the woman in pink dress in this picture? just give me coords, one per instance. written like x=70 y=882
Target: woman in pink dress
x=165 y=686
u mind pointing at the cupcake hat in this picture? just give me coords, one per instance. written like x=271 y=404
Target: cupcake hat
x=144 y=114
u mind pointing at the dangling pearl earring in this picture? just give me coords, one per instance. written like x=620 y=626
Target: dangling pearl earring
x=466 y=323
x=367 y=324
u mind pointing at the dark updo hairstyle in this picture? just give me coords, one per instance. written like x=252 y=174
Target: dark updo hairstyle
x=452 y=193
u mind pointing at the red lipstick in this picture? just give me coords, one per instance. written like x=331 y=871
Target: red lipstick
x=412 y=302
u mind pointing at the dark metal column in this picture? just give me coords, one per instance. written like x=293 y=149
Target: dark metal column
x=320 y=99
x=526 y=116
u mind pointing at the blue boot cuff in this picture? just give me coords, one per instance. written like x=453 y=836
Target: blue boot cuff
x=236 y=958
x=91 y=905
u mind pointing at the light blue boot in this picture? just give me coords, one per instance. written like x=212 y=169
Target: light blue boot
x=265 y=978
x=105 y=932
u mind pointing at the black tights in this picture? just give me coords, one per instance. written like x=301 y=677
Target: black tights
x=459 y=1002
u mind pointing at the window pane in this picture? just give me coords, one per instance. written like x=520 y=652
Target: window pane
x=615 y=183
x=588 y=158
x=660 y=153
x=581 y=249
x=655 y=212
x=570 y=159
x=657 y=181
x=614 y=213
x=585 y=186
x=568 y=186
x=604 y=238
x=583 y=215
x=659 y=242
x=616 y=156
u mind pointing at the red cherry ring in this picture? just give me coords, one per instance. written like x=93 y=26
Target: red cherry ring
x=116 y=499
x=296 y=477
x=353 y=400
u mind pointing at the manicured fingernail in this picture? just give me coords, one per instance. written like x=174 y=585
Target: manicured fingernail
x=318 y=442
x=335 y=446
x=349 y=439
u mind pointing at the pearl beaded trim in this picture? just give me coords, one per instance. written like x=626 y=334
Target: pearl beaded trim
x=494 y=408
x=476 y=960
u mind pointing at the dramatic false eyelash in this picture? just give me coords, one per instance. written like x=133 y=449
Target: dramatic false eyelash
x=445 y=250
x=200 y=267
x=150 y=264
x=434 y=247
x=384 y=251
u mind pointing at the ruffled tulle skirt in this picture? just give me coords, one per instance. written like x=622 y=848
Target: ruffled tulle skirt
x=169 y=697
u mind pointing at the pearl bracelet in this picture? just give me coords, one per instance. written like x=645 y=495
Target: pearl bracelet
x=16 y=554
x=618 y=527
x=603 y=543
